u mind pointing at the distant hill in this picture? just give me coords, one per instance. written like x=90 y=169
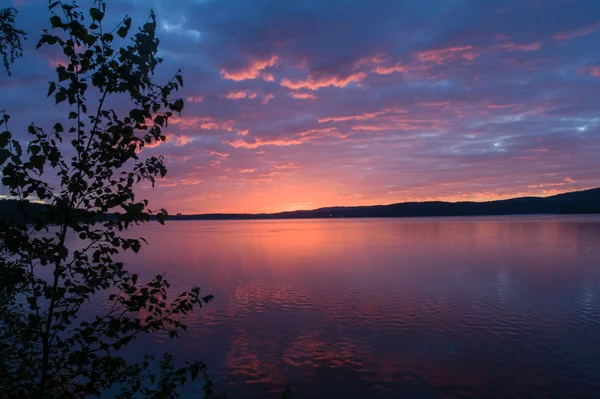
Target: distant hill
x=578 y=202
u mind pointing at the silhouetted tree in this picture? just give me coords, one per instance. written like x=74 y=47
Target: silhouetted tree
x=85 y=167
x=10 y=37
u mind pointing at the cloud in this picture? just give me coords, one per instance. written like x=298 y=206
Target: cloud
x=303 y=96
x=299 y=138
x=219 y=154
x=264 y=142
x=268 y=97
x=500 y=106
x=204 y=122
x=359 y=105
x=376 y=65
x=289 y=165
x=250 y=71
x=534 y=46
x=317 y=82
x=361 y=117
x=386 y=70
x=239 y=95
x=182 y=140
x=190 y=182
x=195 y=99
x=444 y=55
x=177 y=140
x=591 y=70
x=578 y=32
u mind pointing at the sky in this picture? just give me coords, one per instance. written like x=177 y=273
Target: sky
x=305 y=104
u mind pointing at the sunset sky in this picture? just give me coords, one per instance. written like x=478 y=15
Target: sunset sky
x=305 y=104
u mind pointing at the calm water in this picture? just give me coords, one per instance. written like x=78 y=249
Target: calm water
x=386 y=308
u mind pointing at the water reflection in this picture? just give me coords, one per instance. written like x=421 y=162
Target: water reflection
x=420 y=308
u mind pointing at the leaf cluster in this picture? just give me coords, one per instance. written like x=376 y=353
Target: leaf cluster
x=85 y=166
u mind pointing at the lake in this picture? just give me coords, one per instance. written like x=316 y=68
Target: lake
x=492 y=307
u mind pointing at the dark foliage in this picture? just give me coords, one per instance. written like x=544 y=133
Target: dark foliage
x=10 y=38
x=86 y=166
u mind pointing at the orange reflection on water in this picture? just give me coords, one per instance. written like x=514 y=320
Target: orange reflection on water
x=451 y=306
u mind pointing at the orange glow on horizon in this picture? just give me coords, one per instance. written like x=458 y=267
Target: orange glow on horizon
x=267 y=197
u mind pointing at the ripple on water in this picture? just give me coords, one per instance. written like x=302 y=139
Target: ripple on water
x=423 y=308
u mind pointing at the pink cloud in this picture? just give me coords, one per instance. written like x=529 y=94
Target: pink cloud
x=315 y=83
x=205 y=123
x=401 y=123
x=263 y=142
x=372 y=128
x=303 y=96
x=239 y=95
x=441 y=56
x=251 y=71
x=471 y=55
x=319 y=133
x=500 y=106
x=250 y=170
x=178 y=158
x=502 y=36
x=386 y=70
x=591 y=70
x=268 y=97
x=219 y=154
x=534 y=46
x=196 y=99
x=178 y=140
x=437 y=104
x=190 y=182
x=301 y=138
x=583 y=31
x=182 y=140
x=360 y=117
x=243 y=132
x=375 y=59
x=58 y=60
x=376 y=62
x=288 y=165
x=154 y=144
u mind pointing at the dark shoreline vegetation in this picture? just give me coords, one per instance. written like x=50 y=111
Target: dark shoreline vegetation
x=577 y=202
x=572 y=203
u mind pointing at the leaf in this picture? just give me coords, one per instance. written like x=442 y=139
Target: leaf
x=62 y=74
x=56 y=21
x=58 y=128
x=159 y=120
x=37 y=161
x=96 y=14
x=4 y=138
x=60 y=96
x=178 y=105
x=51 y=88
x=34 y=149
x=122 y=32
